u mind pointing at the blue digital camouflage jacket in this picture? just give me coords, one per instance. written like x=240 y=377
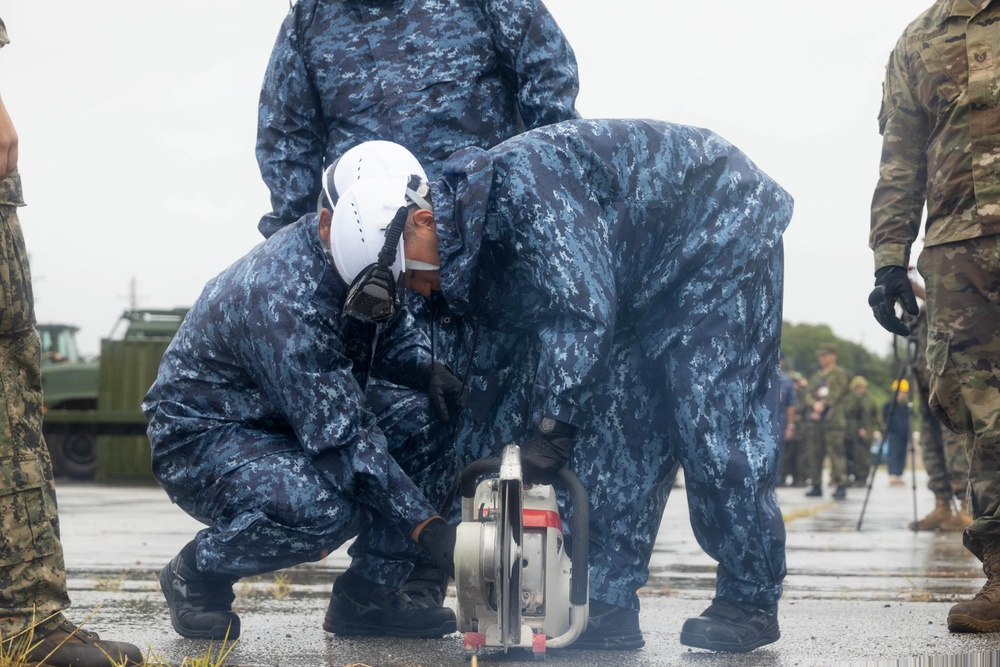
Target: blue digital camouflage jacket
x=266 y=362
x=433 y=75
x=565 y=236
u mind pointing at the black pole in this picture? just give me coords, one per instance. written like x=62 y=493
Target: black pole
x=906 y=369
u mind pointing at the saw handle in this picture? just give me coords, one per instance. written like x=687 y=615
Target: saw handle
x=580 y=532
x=579 y=525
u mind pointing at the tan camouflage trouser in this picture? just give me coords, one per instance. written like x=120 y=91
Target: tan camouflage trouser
x=963 y=355
x=32 y=572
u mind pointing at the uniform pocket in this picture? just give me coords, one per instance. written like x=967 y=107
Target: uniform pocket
x=27 y=512
x=938 y=345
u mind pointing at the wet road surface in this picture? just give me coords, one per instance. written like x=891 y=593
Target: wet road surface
x=878 y=596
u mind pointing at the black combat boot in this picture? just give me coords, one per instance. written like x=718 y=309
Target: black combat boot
x=981 y=613
x=362 y=607
x=201 y=606
x=67 y=645
x=610 y=628
x=426 y=586
x=840 y=493
x=815 y=492
x=732 y=627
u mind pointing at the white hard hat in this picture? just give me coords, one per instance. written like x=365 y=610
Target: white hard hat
x=360 y=221
x=371 y=159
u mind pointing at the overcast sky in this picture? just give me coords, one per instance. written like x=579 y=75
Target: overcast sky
x=137 y=122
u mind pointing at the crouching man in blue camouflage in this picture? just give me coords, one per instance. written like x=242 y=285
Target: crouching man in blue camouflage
x=259 y=429
x=623 y=280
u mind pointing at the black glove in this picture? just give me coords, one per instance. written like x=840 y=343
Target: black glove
x=447 y=393
x=545 y=454
x=438 y=540
x=892 y=285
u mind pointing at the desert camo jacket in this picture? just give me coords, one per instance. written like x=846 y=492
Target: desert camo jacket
x=433 y=75
x=941 y=136
x=266 y=362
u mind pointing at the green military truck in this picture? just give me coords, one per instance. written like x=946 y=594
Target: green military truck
x=92 y=405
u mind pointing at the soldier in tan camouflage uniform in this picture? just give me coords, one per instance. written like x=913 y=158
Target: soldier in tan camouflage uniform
x=826 y=423
x=32 y=573
x=941 y=147
x=862 y=418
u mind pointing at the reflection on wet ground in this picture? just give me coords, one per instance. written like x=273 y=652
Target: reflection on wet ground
x=828 y=556
x=851 y=596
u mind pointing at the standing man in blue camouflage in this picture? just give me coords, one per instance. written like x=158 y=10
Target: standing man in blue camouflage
x=941 y=147
x=433 y=76
x=624 y=281
x=260 y=430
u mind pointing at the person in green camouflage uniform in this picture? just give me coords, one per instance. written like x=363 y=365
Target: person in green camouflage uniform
x=941 y=147
x=826 y=423
x=861 y=415
x=943 y=451
x=32 y=572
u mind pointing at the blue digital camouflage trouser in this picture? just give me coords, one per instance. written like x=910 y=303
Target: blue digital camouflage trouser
x=280 y=511
x=708 y=403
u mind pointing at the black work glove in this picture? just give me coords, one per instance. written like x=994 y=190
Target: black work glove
x=438 y=540
x=547 y=452
x=892 y=285
x=447 y=393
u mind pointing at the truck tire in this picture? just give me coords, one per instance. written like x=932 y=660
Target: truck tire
x=73 y=451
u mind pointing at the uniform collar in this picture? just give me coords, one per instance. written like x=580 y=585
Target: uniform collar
x=963 y=8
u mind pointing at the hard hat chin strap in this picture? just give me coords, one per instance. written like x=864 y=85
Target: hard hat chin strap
x=372 y=296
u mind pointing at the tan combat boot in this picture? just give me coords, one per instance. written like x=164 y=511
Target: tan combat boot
x=982 y=613
x=933 y=521
x=956 y=523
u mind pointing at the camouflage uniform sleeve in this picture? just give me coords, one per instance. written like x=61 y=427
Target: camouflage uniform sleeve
x=403 y=353
x=536 y=56
x=290 y=131
x=297 y=360
x=898 y=202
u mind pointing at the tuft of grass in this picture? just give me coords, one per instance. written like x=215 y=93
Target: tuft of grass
x=804 y=512
x=110 y=584
x=282 y=586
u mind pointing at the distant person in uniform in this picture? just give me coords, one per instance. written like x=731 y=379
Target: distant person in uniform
x=826 y=423
x=863 y=421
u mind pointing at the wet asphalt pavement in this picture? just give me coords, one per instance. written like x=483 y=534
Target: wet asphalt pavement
x=878 y=596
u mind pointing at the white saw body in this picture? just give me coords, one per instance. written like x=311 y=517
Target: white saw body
x=516 y=584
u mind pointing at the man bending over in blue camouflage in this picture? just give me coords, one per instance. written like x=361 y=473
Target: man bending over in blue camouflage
x=624 y=280
x=259 y=429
